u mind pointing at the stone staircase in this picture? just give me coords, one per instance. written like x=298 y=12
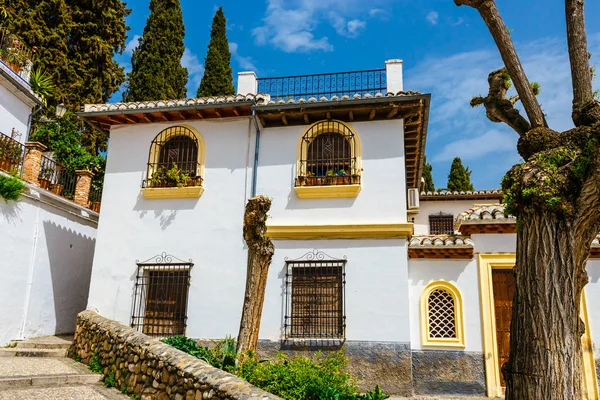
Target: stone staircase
x=39 y=369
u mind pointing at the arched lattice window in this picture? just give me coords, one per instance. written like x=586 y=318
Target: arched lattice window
x=441 y=315
x=328 y=154
x=176 y=159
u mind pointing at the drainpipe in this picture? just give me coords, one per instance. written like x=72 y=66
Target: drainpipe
x=256 y=148
x=30 y=120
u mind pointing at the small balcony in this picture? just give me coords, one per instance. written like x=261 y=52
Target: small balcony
x=171 y=180
x=15 y=55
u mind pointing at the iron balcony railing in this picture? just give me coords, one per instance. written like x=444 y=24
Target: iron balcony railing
x=15 y=54
x=324 y=85
x=56 y=178
x=94 y=199
x=12 y=154
x=169 y=174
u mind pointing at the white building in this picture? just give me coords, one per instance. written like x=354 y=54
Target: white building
x=338 y=155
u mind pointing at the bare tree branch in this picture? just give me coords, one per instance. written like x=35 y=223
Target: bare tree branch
x=490 y=14
x=583 y=95
x=499 y=108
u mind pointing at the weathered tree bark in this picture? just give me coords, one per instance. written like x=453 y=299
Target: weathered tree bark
x=545 y=343
x=260 y=253
x=490 y=14
x=585 y=109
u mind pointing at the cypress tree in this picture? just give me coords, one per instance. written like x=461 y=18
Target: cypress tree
x=218 y=78
x=156 y=71
x=459 y=179
x=427 y=177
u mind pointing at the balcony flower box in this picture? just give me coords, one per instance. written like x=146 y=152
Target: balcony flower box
x=57 y=188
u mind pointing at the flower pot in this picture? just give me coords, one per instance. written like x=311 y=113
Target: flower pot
x=311 y=181
x=5 y=165
x=342 y=180
x=57 y=188
x=44 y=183
x=95 y=206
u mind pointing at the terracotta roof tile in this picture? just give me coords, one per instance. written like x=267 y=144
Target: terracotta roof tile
x=430 y=241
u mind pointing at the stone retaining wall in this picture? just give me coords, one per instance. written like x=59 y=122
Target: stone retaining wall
x=151 y=368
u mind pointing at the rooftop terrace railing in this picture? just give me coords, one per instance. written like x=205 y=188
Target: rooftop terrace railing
x=324 y=85
x=15 y=54
x=11 y=154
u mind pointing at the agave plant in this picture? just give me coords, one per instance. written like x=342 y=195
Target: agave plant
x=42 y=85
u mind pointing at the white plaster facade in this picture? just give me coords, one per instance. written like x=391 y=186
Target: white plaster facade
x=17 y=102
x=48 y=246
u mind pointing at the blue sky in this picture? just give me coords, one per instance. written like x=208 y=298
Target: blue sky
x=447 y=51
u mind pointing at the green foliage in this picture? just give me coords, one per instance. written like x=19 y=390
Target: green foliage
x=218 y=78
x=156 y=71
x=110 y=380
x=459 y=178
x=427 y=176
x=222 y=355
x=506 y=79
x=135 y=397
x=42 y=85
x=95 y=365
x=11 y=188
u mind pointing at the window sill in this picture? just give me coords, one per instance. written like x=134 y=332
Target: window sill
x=173 y=192
x=443 y=343
x=327 y=192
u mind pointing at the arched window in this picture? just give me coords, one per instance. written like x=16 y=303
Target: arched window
x=328 y=154
x=176 y=159
x=441 y=315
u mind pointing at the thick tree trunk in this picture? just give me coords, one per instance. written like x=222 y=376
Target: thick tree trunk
x=545 y=343
x=260 y=253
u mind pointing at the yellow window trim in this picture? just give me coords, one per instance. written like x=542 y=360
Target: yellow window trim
x=173 y=192
x=488 y=262
x=426 y=340
x=154 y=149
x=327 y=192
x=355 y=231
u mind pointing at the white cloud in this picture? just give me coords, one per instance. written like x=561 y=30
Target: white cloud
x=377 y=12
x=132 y=44
x=432 y=17
x=458 y=22
x=195 y=71
x=245 y=63
x=290 y=25
x=456 y=129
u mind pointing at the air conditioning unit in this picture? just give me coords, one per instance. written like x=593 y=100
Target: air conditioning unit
x=413 y=199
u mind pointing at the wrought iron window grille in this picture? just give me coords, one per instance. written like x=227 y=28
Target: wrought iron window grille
x=328 y=156
x=173 y=159
x=441 y=224
x=441 y=314
x=324 y=85
x=315 y=298
x=161 y=296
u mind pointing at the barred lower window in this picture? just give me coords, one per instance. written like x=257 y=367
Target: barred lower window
x=161 y=296
x=441 y=315
x=441 y=224
x=328 y=154
x=315 y=286
x=175 y=159
x=440 y=307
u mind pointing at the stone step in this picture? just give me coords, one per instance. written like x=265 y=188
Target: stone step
x=48 y=380
x=24 y=352
x=68 y=392
x=26 y=344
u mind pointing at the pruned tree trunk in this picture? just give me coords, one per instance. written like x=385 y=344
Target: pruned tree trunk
x=260 y=253
x=545 y=342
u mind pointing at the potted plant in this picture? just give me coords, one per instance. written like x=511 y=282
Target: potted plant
x=45 y=177
x=342 y=178
x=57 y=188
x=10 y=154
x=176 y=177
x=158 y=179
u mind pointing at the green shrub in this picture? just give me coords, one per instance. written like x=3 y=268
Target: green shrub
x=10 y=187
x=110 y=380
x=95 y=365
x=222 y=355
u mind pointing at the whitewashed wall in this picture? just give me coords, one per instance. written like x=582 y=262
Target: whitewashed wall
x=47 y=250
x=376 y=287
x=383 y=195
x=14 y=112
x=207 y=230
x=592 y=291
x=427 y=208
x=461 y=273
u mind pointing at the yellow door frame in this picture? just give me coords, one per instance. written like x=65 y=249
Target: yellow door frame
x=488 y=262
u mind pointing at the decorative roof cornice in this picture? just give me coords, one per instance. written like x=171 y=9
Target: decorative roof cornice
x=469 y=195
x=440 y=246
x=485 y=218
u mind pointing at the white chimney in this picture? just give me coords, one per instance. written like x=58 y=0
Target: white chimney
x=247 y=83
x=393 y=71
